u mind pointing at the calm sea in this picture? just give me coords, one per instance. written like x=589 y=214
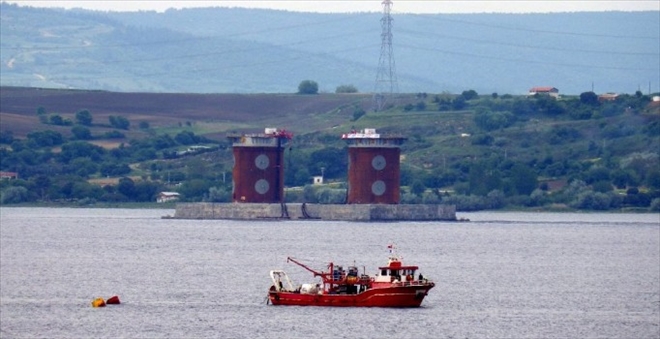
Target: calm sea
x=501 y=275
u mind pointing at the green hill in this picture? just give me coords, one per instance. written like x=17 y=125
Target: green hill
x=475 y=151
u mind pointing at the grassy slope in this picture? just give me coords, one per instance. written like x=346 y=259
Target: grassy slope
x=435 y=139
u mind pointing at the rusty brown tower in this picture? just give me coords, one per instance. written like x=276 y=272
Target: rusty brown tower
x=373 y=167
x=258 y=173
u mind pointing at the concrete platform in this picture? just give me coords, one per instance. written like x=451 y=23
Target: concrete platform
x=297 y=211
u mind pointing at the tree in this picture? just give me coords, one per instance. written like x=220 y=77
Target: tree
x=186 y=138
x=126 y=186
x=477 y=185
x=195 y=189
x=7 y=137
x=469 y=94
x=596 y=174
x=41 y=184
x=417 y=187
x=112 y=169
x=119 y=122
x=14 y=195
x=219 y=194
x=308 y=87
x=42 y=114
x=653 y=180
x=589 y=98
x=332 y=160
x=491 y=121
x=346 y=89
x=549 y=105
x=358 y=113
x=524 y=179
x=84 y=167
x=84 y=118
x=458 y=103
x=56 y=119
x=46 y=138
x=146 y=190
x=77 y=149
x=86 y=192
x=81 y=133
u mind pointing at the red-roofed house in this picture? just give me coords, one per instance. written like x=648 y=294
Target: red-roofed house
x=8 y=175
x=551 y=91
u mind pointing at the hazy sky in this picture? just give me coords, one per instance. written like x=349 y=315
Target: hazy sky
x=399 y=6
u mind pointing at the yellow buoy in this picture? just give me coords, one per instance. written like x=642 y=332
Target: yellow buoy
x=98 y=302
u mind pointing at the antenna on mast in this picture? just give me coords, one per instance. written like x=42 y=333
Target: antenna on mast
x=386 y=82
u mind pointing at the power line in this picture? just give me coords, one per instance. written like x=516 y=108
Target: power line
x=546 y=62
x=438 y=17
x=549 y=48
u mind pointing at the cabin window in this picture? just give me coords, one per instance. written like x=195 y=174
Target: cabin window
x=383 y=272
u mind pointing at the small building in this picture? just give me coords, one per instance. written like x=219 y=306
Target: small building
x=8 y=175
x=608 y=97
x=317 y=180
x=551 y=91
x=167 y=196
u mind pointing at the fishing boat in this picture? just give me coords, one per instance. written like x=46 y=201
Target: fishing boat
x=395 y=285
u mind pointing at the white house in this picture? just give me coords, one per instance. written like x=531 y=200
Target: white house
x=551 y=91
x=167 y=196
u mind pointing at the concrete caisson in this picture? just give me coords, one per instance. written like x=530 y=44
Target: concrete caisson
x=373 y=167
x=258 y=173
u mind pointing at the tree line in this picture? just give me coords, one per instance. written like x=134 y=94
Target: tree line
x=143 y=168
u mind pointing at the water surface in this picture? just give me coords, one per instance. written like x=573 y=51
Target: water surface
x=501 y=275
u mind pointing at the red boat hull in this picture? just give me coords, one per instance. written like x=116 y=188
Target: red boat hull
x=394 y=296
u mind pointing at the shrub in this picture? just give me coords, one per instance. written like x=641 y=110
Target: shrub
x=358 y=113
x=308 y=87
x=346 y=89
x=14 y=195
x=655 y=205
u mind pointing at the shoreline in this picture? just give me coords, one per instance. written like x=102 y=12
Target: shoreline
x=172 y=206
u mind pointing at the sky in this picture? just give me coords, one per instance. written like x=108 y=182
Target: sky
x=346 y=6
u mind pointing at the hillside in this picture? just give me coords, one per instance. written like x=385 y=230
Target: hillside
x=222 y=50
x=212 y=114
x=532 y=150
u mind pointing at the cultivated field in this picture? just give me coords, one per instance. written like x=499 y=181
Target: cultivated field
x=208 y=114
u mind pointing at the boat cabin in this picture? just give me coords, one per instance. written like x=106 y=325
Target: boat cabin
x=395 y=272
x=390 y=274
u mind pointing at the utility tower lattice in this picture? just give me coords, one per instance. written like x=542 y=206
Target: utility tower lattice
x=386 y=82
